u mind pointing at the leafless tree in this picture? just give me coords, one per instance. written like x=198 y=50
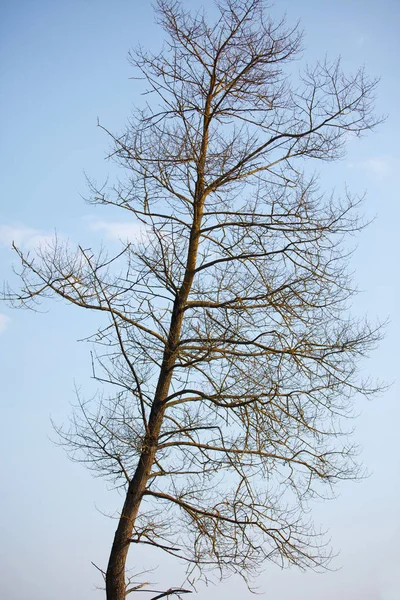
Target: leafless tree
x=228 y=340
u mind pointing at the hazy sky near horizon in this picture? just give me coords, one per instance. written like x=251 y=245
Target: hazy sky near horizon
x=63 y=64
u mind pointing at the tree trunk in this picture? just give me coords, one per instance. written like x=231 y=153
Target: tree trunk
x=115 y=576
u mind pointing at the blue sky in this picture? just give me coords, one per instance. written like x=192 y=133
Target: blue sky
x=63 y=64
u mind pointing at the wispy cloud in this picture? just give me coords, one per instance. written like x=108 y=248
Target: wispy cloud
x=22 y=236
x=378 y=166
x=361 y=39
x=4 y=322
x=119 y=230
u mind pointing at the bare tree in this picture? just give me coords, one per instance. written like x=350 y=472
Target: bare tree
x=228 y=340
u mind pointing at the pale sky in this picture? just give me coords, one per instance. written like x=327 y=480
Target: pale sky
x=63 y=64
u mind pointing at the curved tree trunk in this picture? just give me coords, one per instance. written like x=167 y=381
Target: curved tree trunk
x=115 y=576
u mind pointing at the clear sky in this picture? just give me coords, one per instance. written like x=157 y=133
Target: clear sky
x=63 y=64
